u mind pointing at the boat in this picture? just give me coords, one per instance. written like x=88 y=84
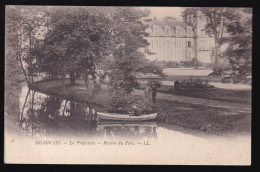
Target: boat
x=113 y=123
x=126 y=117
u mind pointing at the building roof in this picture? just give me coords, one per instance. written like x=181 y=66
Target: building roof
x=167 y=21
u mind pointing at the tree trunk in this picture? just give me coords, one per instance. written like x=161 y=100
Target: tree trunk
x=96 y=81
x=216 y=58
x=86 y=80
x=24 y=72
x=64 y=108
x=72 y=110
x=21 y=115
x=72 y=78
x=63 y=85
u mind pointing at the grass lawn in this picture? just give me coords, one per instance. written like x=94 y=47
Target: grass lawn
x=199 y=117
x=238 y=96
x=212 y=120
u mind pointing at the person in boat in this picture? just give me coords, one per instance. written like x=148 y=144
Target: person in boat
x=135 y=112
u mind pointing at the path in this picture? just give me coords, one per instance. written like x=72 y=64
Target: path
x=235 y=107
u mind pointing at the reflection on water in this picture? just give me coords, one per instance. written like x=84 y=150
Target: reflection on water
x=41 y=115
x=137 y=130
x=45 y=115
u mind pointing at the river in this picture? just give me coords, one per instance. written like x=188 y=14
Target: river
x=32 y=119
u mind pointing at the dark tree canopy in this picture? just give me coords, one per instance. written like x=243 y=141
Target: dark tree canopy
x=85 y=40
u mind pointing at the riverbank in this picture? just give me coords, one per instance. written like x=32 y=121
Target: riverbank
x=220 y=94
x=201 y=117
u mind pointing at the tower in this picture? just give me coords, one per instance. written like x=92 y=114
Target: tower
x=202 y=42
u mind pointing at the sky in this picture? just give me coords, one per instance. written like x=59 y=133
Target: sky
x=161 y=12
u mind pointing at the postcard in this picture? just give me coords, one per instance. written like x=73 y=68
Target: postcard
x=128 y=85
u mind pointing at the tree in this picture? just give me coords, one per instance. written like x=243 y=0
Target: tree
x=81 y=39
x=22 y=26
x=239 y=50
x=76 y=43
x=217 y=20
x=128 y=58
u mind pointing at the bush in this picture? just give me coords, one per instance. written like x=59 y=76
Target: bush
x=219 y=71
x=172 y=64
x=124 y=103
x=193 y=63
x=192 y=84
x=155 y=82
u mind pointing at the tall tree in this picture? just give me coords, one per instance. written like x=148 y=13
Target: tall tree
x=217 y=20
x=78 y=39
x=129 y=32
x=239 y=50
x=83 y=39
x=22 y=26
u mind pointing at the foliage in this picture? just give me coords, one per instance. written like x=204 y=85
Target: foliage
x=128 y=57
x=76 y=43
x=220 y=71
x=147 y=67
x=231 y=26
x=193 y=63
x=172 y=64
x=192 y=84
x=239 y=50
x=128 y=104
x=156 y=83
x=82 y=40
x=86 y=40
x=217 y=19
x=22 y=36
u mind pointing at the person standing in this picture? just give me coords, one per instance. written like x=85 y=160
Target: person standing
x=147 y=92
x=153 y=90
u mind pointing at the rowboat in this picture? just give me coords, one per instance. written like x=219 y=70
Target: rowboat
x=106 y=123
x=125 y=117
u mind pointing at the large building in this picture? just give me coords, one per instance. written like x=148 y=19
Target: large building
x=173 y=40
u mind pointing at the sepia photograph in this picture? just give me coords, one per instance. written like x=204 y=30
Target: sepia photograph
x=131 y=85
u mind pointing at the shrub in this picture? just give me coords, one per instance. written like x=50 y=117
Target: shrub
x=220 y=71
x=171 y=64
x=193 y=63
x=155 y=82
x=192 y=84
x=124 y=103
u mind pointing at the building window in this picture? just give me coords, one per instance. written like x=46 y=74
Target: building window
x=179 y=55
x=206 y=44
x=202 y=44
x=184 y=55
x=189 y=55
x=167 y=44
x=178 y=43
x=189 y=32
x=173 y=43
x=167 y=56
x=155 y=31
x=189 y=43
x=178 y=32
x=155 y=44
x=166 y=31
